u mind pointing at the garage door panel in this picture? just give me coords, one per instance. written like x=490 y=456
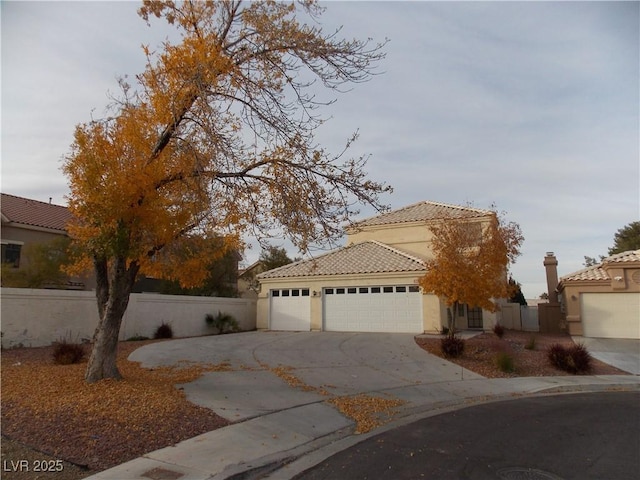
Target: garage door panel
x=610 y=315
x=290 y=309
x=377 y=309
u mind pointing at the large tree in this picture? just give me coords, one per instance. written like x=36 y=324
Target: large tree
x=222 y=272
x=470 y=262
x=215 y=139
x=274 y=257
x=626 y=238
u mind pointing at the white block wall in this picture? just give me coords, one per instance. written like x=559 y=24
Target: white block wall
x=34 y=318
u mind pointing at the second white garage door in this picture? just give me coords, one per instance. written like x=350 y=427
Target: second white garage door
x=290 y=309
x=396 y=308
x=611 y=315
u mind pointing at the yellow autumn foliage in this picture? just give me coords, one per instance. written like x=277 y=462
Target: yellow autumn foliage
x=471 y=258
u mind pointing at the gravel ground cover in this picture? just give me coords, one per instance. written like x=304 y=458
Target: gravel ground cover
x=51 y=409
x=480 y=354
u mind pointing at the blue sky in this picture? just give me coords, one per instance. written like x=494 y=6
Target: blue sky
x=531 y=106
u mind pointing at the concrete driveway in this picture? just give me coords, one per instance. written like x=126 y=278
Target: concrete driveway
x=263 y=366
x=622 y=353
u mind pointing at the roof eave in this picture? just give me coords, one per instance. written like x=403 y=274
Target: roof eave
x=35 y=228
x=584 y=283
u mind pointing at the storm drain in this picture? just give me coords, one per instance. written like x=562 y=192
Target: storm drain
x=521 y=473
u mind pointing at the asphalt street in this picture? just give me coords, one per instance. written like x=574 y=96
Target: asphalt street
x=570 y=436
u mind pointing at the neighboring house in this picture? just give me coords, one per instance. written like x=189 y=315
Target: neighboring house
x=603 y=301
x=247 y=283
x=25 y=222
x=371 y=284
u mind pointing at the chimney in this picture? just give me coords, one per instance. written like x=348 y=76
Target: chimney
x=551 y=267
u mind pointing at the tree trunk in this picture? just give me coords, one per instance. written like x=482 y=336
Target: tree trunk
x=113 y=289
x=453 y=309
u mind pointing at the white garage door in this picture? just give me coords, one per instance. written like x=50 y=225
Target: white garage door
x=611 y=315
x=290 y=309
x=395 y=308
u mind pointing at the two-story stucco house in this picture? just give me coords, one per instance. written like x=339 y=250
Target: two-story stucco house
x=371 y=284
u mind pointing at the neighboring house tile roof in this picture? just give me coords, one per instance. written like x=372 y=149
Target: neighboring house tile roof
x=624 y=257
x=34 y=213
x=423 y=212
x=597 y=272
x=360 y=258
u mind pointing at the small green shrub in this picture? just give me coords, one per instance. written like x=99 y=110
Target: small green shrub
x=505 y=363
x=66 y=353
x=163 y=331
x=575 y=359
x=452 y=346
x=531 y=343
x=223 y=322
x=498 y=330
x=137 y=338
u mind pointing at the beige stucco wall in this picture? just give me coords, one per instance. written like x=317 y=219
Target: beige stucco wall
x=570 y=295
x=412 y=237
x=29 y=236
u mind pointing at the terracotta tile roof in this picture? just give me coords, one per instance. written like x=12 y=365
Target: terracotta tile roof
x=624 y=257
x=597 y=272
x=423 y=212
x=366 y=257
x=34 y=213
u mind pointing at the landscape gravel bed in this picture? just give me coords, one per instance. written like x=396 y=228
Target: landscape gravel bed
x=52 y=409
x=480 y=354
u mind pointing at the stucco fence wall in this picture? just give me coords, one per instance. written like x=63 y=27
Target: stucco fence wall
x=519 y=317
x=34 y=318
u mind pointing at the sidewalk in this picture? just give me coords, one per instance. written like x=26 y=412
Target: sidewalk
x=281 y=444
